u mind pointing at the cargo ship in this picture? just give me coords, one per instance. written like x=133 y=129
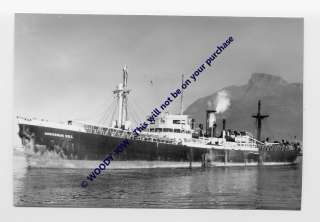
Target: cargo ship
x=172 y=140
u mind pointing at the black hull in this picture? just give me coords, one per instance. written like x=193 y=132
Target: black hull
x=86 y=146
x=74 y=145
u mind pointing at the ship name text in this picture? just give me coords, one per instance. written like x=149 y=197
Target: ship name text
x=58 y=135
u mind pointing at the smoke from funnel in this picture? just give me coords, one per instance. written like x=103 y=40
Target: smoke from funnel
x=222 y=101
x=212 y=119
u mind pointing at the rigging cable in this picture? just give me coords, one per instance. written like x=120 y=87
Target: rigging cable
x=112 y=116
x=133 y=113
x=106 y=113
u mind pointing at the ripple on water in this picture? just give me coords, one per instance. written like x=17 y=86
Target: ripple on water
x=236 y=187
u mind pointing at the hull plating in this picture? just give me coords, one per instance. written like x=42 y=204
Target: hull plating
x=56 y=148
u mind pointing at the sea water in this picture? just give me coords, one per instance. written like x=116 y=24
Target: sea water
x=269 y=187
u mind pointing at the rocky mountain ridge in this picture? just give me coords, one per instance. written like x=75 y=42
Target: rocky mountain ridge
x=281 y=100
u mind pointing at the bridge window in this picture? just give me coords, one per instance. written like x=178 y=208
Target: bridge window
x=177 y=130
x=178 y=121
x=167 y=130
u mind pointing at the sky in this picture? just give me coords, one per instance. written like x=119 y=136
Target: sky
x=66 y=66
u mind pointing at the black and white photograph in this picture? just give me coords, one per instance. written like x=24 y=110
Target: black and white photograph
x=150 y=111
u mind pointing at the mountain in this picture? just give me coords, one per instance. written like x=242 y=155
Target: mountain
x=281 y=100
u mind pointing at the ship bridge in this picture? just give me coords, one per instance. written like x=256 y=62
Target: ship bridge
x=172 y=126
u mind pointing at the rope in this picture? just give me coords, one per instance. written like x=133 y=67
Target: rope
x=133 y=113
x=134 y=106
x=107 y=113
x=113 y=114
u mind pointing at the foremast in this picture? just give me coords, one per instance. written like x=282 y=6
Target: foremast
x=122 y=93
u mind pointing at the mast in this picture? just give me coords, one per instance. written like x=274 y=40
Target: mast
x=125 y=94
x=259 y=117
x=122 y=97
x=181 y=101
x=120 y=103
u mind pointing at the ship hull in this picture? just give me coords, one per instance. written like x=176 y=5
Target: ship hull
x=36 y=161
x=59 y=148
